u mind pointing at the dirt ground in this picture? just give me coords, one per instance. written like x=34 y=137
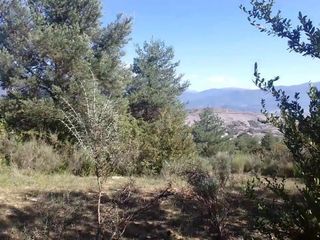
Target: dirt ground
x=35 y=206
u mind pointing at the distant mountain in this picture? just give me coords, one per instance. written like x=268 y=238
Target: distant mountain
x=241 y=99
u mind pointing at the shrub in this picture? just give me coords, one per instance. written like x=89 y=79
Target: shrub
x=177 y=168
x=243 y=163
x=268 y=141
x=222 y=166
x=34 y=155
x=167 y=139
x=238 y=162
x=76 y=161
x=208 y=181
x=126 y=159
x=218 y=166
x=209 y=190
x=249 y=165
x=270 y=170
x=246 y=143
x=277 y=162
x=278 y=169
x=7 y=146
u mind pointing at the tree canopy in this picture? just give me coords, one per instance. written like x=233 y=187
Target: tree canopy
x=156 y=83
x=47 y=47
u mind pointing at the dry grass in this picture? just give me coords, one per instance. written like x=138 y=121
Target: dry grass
x=11 y=178
x=24 y=180
x=63 y=207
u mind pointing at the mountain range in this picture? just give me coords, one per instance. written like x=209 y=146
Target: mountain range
x=239 y=99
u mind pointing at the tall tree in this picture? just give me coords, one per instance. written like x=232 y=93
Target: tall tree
x=299 y=215
x=156 y=82
x=153 y=100
x=48 y=45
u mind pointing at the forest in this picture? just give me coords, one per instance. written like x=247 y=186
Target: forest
x=92 y=147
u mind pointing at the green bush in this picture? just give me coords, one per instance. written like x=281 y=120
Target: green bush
x=278 y=169
x=209 y=190
x=218 y=165
x=178 y=168
x=268 y=141
x=238 y=162
x=166 y=140
x=175 y=168
x=38 y=155
x=277 y=162
x=222 y=166
x=34 y=155
x=243 y=163
x=5 y=144
x=246 y=143
x=270 y=170
x=76 y=161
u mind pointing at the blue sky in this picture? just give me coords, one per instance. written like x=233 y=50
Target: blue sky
x=215 y=43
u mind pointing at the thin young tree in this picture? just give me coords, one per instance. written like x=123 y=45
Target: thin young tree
x=93 y=122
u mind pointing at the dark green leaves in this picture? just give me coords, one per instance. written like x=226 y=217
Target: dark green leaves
x=299 y=215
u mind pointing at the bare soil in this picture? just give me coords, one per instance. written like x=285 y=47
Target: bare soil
x=63 y=207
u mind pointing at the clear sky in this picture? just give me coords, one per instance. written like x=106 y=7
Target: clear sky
x=214 y=41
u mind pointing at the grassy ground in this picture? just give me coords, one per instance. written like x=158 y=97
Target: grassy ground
x=37 y=206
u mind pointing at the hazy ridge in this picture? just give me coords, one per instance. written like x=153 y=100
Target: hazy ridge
x=239 y=99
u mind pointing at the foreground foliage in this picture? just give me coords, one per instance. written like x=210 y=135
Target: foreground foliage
x=299 y=216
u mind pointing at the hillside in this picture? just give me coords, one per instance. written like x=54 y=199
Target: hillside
x=240 y=99
x=238 y=122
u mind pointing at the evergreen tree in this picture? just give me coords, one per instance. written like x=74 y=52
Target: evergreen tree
x=47 y=46
x=247 y=143
x=208 y=133
x=168 y=139
x=153 y=101
x=299 y=215
x=156 y=83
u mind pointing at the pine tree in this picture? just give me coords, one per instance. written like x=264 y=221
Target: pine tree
x=156 y=83
x=153 y=101
x=47 y=46
x=208 y=133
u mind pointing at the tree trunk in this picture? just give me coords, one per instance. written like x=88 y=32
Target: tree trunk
x=99 y=234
